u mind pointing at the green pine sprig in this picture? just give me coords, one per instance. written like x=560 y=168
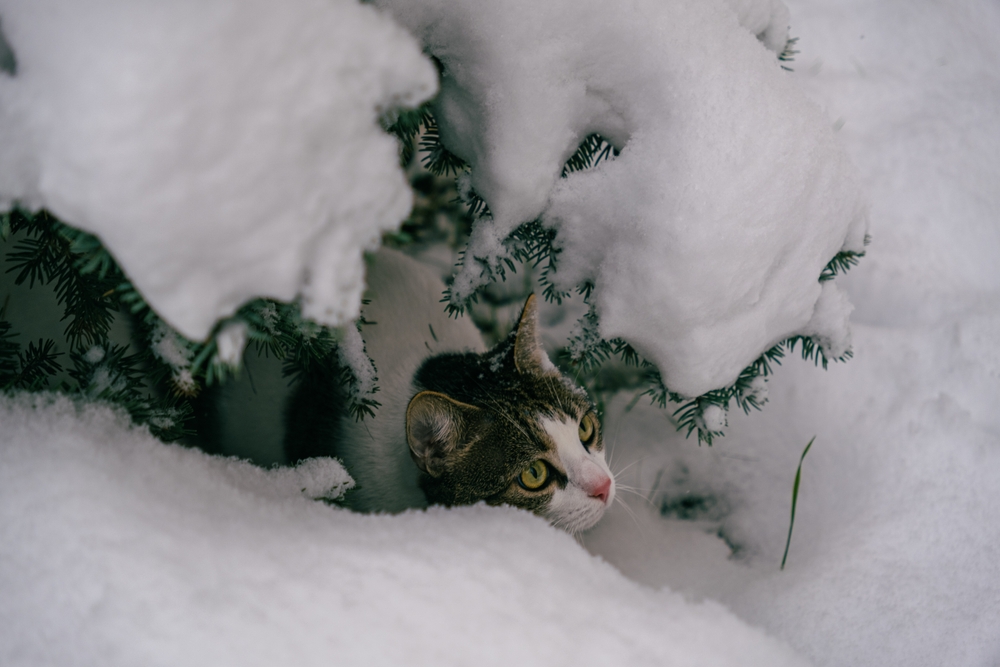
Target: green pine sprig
x=788 y=53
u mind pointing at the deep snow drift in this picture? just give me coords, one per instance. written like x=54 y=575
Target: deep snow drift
x=118 y=550
x=220 y=149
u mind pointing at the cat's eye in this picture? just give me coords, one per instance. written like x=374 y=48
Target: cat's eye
x=588 y=429
x=534 y=476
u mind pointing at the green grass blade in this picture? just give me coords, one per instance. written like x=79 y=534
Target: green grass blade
x=795 y=497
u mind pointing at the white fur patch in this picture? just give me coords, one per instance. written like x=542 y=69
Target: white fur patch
x=573 y=508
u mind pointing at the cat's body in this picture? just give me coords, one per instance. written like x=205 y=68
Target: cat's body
x=407 y=324
x=458 y=423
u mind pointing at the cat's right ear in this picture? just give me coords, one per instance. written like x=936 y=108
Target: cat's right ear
x=435 y=425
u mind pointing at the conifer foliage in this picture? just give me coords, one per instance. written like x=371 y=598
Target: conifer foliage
x=534 y=245
x=156 y=377
x=158 y=381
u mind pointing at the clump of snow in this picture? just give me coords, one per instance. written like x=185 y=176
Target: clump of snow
x=220 y=149
x=94 y=355
x=706 y=236
x=351 y=353
x=134 y=552
x=171 y=349
x=829 y=325
x=230 y=342
x=712 y=419
x=757 y=391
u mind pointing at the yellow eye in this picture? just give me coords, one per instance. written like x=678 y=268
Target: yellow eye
x=535 y=475
x=588 y=429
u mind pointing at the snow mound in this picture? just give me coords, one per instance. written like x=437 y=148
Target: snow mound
x=706 y=236
x=118 y=550
x=221 y=150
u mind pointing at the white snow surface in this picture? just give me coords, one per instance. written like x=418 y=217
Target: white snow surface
x=221 y=149
x=706 y=236
x=118 y=550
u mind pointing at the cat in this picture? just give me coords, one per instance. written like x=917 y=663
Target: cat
x=458 y=423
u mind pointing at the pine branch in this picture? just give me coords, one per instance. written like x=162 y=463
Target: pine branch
x=35 y=366
x=842 y=262
x=111 y=375
x=788 y=54
x=8 y=352
x=406 y=127
x=438 y=159
x=79 y=267
x=589 y=154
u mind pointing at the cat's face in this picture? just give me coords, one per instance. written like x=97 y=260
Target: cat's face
x=507 y=428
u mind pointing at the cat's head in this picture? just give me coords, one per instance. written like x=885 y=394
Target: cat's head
x=508 y=428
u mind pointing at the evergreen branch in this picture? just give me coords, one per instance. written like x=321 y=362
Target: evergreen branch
x=40 y=256
x=842 y=262
x=110 y=374
x=438 y=159
x=406 y=127
x=8 y=352
x=84 y=281
x=788 y=54
x=35 y=366
x=589 y=154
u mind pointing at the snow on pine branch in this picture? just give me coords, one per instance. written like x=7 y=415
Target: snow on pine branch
x=705 y=237
x=220 y=149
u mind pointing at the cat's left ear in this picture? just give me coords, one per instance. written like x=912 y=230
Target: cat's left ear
x=529 y=355
x=435 y=427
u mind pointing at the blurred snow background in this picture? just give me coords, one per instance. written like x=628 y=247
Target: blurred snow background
x=117 y=550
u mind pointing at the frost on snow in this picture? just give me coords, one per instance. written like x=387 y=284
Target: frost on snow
x=220 y=149
x=706 y=236
x=118 y=550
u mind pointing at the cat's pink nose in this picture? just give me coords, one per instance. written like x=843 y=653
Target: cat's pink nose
x=602 y=489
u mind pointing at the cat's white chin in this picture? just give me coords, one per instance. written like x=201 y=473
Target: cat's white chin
x=572 y=510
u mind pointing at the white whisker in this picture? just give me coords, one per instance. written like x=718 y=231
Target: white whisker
x=628 y=509
x=639 y=460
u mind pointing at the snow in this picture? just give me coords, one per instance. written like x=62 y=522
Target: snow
x=829 y=324
x=230 y=343
x=118 y=550
x=894 y=558
x=706 y=236
x=223 y=130
x=115 y=549
x=351 y=353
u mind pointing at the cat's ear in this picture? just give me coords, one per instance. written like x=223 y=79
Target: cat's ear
x=435 y=425
x=529 y=355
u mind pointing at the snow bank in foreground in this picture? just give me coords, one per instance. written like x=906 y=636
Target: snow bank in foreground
x=221 y=150
x=118 y=550
x=706 y=237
